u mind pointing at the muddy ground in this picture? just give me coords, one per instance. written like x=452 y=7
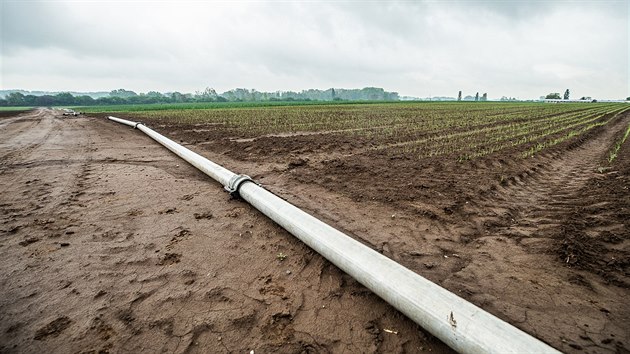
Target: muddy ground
x=109 y=243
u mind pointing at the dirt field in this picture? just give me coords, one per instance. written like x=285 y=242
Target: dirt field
x=112 y=244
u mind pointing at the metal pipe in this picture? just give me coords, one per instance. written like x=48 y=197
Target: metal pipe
x=217 y=172
x=458 y=323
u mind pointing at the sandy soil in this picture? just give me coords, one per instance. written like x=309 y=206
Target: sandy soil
x=111 y=243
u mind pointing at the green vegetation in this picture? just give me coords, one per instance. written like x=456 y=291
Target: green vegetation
x=462 y=130
x=615 y=149
x=553 y=96
x=15 y=108
x=208 y=105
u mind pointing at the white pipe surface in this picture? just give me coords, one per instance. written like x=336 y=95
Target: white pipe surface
x=458 y=323
x=217 y=172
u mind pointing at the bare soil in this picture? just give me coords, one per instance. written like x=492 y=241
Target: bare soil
x=109 y=243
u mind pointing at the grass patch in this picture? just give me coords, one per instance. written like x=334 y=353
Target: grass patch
x=14 y=109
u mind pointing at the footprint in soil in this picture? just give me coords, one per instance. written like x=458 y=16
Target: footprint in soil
x=218 y=295
x=206 y=215
x=103 y=330
x=170 y=258
x=374 y=330
x=53 y=329
x=28 y=241
x=14 y=229
x=168 y=211
x=279 y=327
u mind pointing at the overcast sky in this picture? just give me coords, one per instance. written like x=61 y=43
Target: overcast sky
x=516 y=48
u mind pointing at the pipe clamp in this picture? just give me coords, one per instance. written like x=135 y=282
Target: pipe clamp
x=235 y=184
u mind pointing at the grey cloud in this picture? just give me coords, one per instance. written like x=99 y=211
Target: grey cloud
x=508 y=48
x=524 y=10
x=82 y=29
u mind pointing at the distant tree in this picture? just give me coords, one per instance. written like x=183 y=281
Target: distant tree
x=553 y=96
x=371 y=94
x=627 y=98
x=45 y=100
x=477 y=97
x=15 y=99
x=122 y=93
x=154 y=94
x=111 y=100
x=64 y=99
x=484 y=97
x=566 y=94
x=84 y=100
x=177 y=97
x=30 y=100
x=207 y=95
x=459 y=96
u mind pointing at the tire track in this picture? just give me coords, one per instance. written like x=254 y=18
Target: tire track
x=28 y=132
x=535 y=203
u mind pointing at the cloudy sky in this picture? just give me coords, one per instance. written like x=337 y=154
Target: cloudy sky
x=514 y=48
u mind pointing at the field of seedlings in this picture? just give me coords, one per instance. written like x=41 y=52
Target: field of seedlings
x=460 y=130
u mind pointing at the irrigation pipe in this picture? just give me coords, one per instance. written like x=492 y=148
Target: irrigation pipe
x=458 y=323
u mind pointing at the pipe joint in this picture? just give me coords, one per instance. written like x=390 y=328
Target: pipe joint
x=136 y=125
x=235 y=184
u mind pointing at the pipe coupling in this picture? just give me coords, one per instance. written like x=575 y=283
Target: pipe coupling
x=136 y=125
x=235 y=183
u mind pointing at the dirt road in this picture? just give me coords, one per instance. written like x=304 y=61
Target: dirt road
x=112 y=244
x=109 y=242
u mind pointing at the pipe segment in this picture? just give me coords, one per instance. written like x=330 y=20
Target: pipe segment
x=461 y=325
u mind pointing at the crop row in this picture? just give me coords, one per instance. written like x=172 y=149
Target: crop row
x=374 y=119
x=461 y=130
x=484 y=141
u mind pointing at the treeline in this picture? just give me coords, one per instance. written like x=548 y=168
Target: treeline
x=122 y=96
x=364 y=94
